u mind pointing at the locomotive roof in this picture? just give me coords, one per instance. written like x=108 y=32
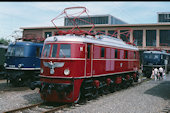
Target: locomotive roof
x=25 y=43
x=157 y=52
x=103 y=40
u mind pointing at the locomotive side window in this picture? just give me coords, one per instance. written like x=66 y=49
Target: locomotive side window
x=38 y=52
x=102 y=51
x=116 y=53
x=88 y=51
x=54 y=50
x=65 y=50
x=112 y=53
x=134 y=55
x=126 y=54
x=46 y=51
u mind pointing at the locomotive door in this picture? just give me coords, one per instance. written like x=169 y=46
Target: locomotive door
x=89 y=60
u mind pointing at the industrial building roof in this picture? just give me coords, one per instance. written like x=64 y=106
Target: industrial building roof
x=116 y=25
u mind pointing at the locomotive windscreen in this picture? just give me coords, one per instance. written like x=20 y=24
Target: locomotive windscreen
x=151 y=56
x=15 y=51
x=64 y=50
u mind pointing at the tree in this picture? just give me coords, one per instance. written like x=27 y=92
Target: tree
x=4 y=41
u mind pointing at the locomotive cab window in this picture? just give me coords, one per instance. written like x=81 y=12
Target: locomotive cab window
x=88 y=51
x=19 y=51
x=10 y=51
x=54 y=50
x=102 y=52
x=116 y=53
x=38 y=52
x=46 y=51
x=156 y=56
x=65 y=50
x=15 y=51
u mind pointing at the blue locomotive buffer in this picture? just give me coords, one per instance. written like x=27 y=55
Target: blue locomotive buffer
x=23 y=62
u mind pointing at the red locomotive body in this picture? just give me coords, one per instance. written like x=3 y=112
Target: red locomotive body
x=74 y=67
x=79 y=64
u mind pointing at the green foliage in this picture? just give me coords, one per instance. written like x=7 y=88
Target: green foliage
x=4 y=41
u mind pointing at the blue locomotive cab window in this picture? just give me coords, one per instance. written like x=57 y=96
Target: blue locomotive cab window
x=19 y=51
x=148 y=56
x=38 y=52
x=155 y=56
x=65 y=50
x=46 y=51
x=15 y=51
x=9 y=51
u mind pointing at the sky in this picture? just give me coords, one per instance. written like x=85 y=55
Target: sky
x=14 y=15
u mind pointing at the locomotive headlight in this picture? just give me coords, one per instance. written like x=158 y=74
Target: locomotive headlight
x=20 y=65
x=41 y=70
x=5 y=64
x=66 y=71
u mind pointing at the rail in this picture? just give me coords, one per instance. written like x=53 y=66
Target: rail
x=38 y=105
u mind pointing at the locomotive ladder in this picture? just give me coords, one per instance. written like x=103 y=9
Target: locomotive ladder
x=41 y=107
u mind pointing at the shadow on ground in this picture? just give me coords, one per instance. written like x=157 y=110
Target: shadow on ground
x=161 y=90
x=8 y=87
x=33 y=98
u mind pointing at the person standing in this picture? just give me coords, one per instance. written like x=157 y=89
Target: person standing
x=156 y=73
x=152 y=75
x=161 y=70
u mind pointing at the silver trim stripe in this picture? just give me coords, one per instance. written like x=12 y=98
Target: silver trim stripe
x=92 y=59
x=85 y=76
x=22 y=68
x=63 y=58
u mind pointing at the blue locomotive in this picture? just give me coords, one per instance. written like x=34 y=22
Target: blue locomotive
x=152 y=59
x=23 y=62
x=3 y=49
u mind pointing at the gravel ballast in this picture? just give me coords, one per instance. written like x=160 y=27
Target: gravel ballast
x=148 y=97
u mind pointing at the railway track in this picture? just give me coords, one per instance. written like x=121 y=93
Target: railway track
x=45 y=108
x=40 y=108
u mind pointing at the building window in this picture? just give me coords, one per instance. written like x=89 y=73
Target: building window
x=138 y=37
x=164 y=37
x=102 y=51
x=124 y=35
x=112 y=33
x=151 y=38
x=100 y=32
x=163 y=17
x=48 y=34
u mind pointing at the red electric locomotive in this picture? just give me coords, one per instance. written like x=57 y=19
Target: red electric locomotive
x=75 y=66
